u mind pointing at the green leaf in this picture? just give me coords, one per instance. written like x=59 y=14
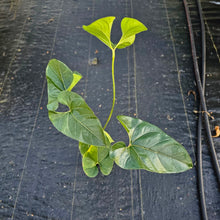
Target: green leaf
x=101 y=29
x=83 y=148
x=79 y=123
x=130 y=27
x=150 y=149
x=109 y=137
x=59 y=78
x=76 y=77
x=96 y=157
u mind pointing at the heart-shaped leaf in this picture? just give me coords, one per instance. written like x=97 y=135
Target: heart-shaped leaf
x=130 y=27
x=150 y=149
x=79 y=123
x=94 y=157
x=101 y=29
x=59 y=78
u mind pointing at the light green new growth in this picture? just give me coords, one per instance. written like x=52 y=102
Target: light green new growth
x=149 y=147
x=101 y=29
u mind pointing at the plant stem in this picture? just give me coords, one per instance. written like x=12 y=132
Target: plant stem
x=113 y=87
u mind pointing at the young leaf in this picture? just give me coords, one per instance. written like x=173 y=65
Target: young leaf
x=59 y=78
x=130 y=27
x=83 y=148
x=94 y=157
x=101 y=29
x=150 y=149
x=79 y=123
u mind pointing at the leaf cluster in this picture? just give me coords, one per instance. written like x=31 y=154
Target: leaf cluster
x=101 y=29
x=149 y=147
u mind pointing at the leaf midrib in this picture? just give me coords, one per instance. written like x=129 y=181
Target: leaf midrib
x=83 y=125
x=108 y=41
x=156 y=152
x=149 y=160
x=61 y=75
x=147 y=133
x=53 y=83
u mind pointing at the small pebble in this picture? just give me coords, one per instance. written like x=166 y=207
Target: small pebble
x=93 y=61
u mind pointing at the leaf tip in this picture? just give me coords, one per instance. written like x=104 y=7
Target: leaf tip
x=119 y=116
x=190 y=165
x=84 y=27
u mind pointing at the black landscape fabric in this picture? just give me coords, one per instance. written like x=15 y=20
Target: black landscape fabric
x=41 y=175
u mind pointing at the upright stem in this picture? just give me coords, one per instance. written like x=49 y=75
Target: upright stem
x=113 y=87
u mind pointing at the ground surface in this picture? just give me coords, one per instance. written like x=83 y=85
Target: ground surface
x=41 y=176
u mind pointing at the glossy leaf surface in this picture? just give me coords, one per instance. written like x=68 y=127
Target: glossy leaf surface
x=95 y=158
x=101 y=29
x=79 y=123
x=130 y=27
x=59 y=78
x=150 y=149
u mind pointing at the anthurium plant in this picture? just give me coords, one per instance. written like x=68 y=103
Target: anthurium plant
x=149 y=147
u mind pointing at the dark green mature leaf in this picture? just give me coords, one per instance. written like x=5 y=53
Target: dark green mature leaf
x=79 y=123
x=59 y=78
x=94 y=157
x=150 y=149
x=130 y=27
x=101 y=29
